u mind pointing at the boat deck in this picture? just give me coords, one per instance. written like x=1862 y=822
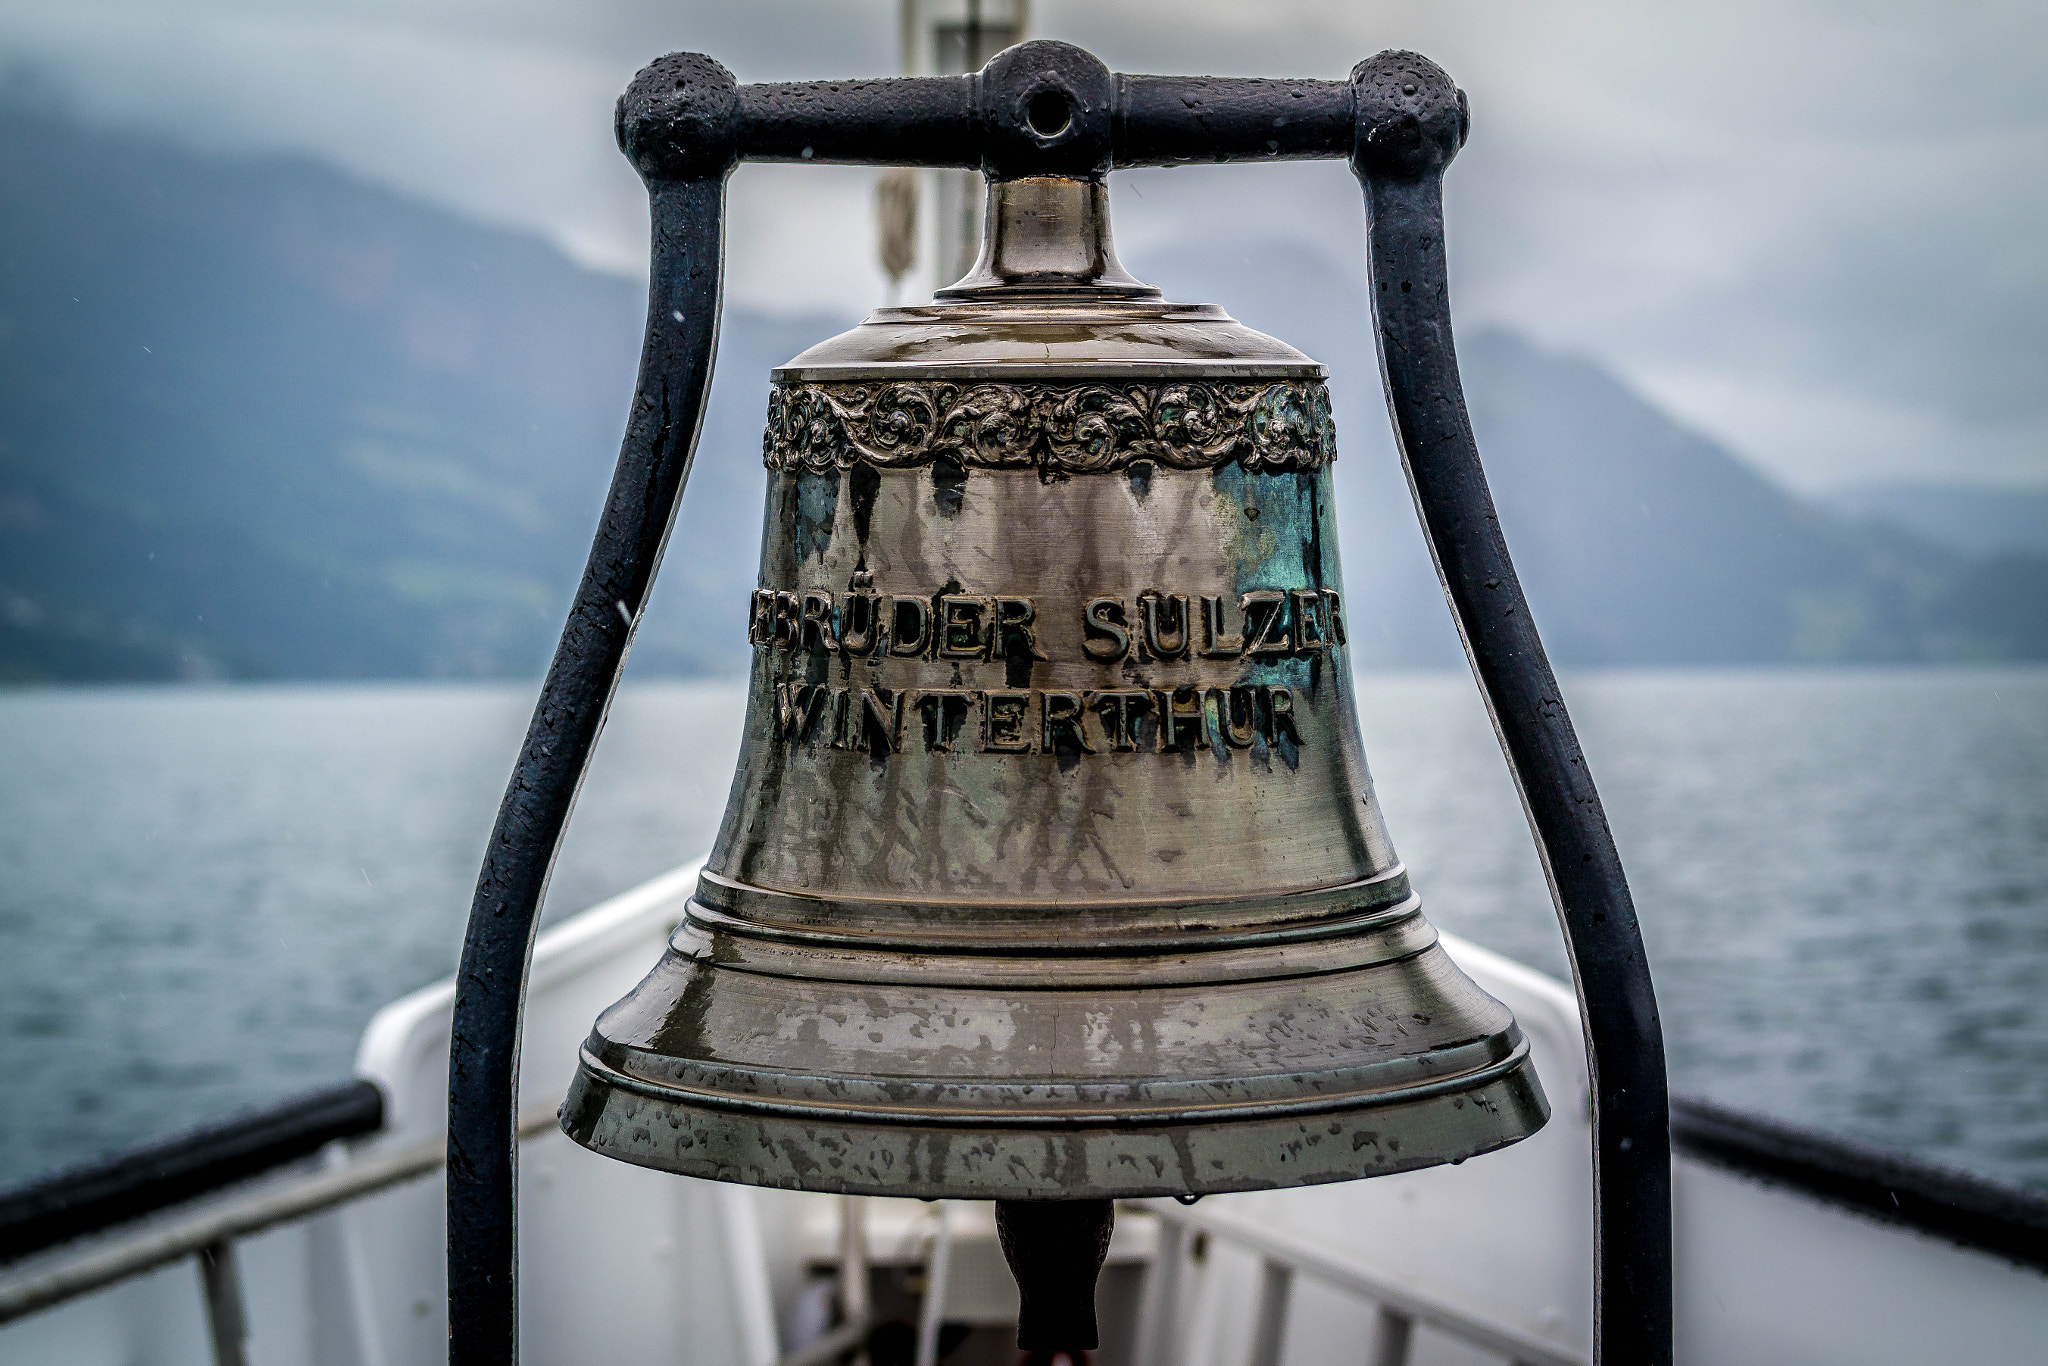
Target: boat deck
x=1792 y=1247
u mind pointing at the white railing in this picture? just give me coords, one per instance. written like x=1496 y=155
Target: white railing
x=1285 y=1257
x=208 y=1236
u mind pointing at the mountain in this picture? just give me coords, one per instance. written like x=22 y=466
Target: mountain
x=1639 y=540
x=1966 y=519
x=261 y=419
x=258 y=418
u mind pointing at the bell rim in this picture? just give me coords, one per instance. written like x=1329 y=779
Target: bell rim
x=1028 y=1111
x=1245 y=1154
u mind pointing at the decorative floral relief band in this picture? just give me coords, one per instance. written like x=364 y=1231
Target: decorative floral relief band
x=1070 y=427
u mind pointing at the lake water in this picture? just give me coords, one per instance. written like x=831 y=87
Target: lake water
x=1843 y=879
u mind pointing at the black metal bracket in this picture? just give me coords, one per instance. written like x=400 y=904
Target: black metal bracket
x=1049 y=109
x=1036 y=109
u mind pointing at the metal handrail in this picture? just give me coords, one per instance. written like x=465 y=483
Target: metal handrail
x=122 y=1186
x=1287 y=1255
x=1963 y=1207
x=1885 y=1184
x=103 y=1264
x=209 y=1235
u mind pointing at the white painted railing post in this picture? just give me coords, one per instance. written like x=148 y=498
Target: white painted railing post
x=1159 y=1315
x=226 y=1320
x=1269 y=1329
x=753 y=1301
x=938 y=1264
x=353 y=1291
x=1393 y=1338
x=1286 y=1254
x=853 y=1264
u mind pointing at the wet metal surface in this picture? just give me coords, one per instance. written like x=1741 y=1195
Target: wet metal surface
x=1052 y=865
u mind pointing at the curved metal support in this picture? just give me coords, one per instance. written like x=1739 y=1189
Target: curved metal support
x=647 y=487
x=1051 y=109
x=1411 y=122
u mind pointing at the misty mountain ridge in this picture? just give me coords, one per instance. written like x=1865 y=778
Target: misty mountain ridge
x=1966 y=519
x=1640 y=541
x=261 y=419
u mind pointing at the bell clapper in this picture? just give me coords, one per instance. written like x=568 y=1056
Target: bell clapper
x=1055 y=1249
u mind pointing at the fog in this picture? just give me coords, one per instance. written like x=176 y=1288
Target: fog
x=1813 y=230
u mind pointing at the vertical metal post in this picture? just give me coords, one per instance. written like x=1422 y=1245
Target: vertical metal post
x=1159 y=1314
x=961 y=197
x=686 y=196
x=938 y=1265
x=343 y=1227
x=1412 y=121
x=1393 y=1336
x=739 y=1226
x=1269 y=1330
x=226 y=1321
x=853 y=1263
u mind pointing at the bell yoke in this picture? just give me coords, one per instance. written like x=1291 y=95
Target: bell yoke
x=1052 y=872
x=1052 y=867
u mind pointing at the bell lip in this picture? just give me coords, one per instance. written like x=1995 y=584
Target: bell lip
x=1031 y=1101
x=1245 y=1154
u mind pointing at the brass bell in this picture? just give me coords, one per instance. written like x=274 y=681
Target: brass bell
x=1052 y=867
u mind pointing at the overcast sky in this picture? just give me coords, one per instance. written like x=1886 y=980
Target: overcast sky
x=1816 y=230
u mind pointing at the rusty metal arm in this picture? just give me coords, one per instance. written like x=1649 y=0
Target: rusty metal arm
x=1412 y=121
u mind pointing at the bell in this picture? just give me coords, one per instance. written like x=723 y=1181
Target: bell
x=1052 y=868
